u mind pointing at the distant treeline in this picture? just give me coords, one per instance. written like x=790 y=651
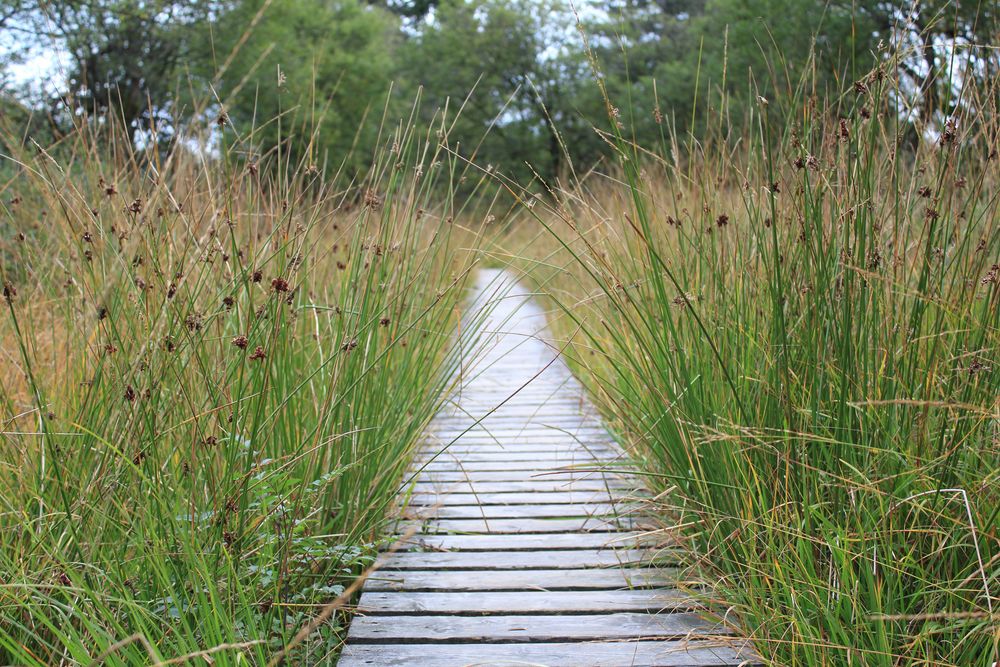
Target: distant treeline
x=526 y=83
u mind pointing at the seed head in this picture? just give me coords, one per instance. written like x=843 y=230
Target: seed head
x=241 y=342
x=992 y=276
x=845 y=130
x=279 y=285
x=257 y=354
x=193 y=322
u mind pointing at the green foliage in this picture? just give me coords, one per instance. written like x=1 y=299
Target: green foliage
x=518 y=70
x=481 y=59
x=303 y=68
x=123 y=54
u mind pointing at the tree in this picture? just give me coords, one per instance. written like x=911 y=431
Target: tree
x=941 y=43
x=124 y=54
x=306 y=68
x=486 y=60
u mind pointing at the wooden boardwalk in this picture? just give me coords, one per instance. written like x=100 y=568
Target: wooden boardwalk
x=526 y=550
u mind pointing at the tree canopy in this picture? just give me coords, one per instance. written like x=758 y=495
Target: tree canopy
x=518 y=81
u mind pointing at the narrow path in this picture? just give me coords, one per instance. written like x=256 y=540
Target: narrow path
x=525 y=550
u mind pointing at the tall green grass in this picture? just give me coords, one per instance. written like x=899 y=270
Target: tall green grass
x=213 y=372
x=795 y=324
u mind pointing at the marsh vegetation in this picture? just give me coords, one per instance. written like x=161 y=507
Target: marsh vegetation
x=768 y=242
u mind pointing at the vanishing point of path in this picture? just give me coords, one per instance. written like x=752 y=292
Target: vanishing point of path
x=525 y=551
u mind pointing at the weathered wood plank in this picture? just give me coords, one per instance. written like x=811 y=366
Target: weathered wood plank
x=495 y=452
x=495 y=629
x=518 y=435
x=498 y=453
x=524 y=542
x=583 y=464
x=534 y=485
x=503 y=526
x=527 y=442
x=549 y=511
x=516 y=476
x=526 y=602
x=523 y=560
x=592 y=654
x=526 y=498
x=517 y=580
x=513 y=426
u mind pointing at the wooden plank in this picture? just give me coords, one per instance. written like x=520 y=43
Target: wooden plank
x=540 y=421
x=518 y=431
x=516 y=434
x=521 y=580
x=527 y=498
x=532 y=467
x=495 y=629
x=523 y=560
x=534 y=485
x=515 y=476
x=572 y=654
x=503 y=526
x=526 y=542
x=497 y=453
x=526 y=602
x=493 y=451
x=548 y=511
x=527 y=442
